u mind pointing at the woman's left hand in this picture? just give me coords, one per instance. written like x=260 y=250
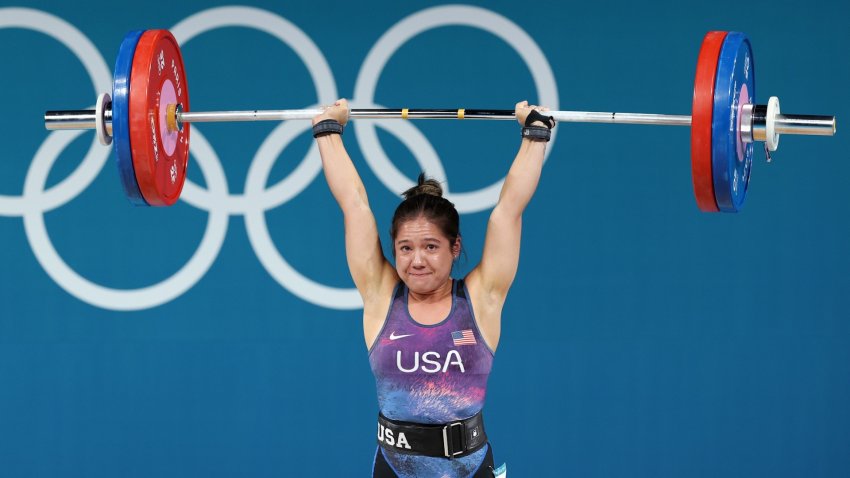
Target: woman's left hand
x=523 y=109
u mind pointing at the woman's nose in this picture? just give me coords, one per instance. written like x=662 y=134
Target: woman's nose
x=417 y=258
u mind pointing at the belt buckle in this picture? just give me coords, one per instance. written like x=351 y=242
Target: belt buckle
x=448 y=443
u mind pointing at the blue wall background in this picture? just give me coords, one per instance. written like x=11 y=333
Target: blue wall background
x=642 y=337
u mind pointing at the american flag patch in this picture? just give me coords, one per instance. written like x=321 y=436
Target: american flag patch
x=463 y=337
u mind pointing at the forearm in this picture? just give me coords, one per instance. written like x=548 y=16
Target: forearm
x=522 y=178
x=342 y=177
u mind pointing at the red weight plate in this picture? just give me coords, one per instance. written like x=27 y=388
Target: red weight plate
x=158 y=80
x=701 y=121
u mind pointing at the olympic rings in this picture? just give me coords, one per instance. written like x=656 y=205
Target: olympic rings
x=392 y=40
x=257 y=197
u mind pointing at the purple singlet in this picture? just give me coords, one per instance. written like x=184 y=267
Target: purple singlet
x=431 y=374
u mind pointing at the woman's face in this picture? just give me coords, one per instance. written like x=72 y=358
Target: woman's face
x=423 y=255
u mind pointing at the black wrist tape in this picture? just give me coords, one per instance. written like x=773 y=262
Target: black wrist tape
x=536 y=133
x=326 y=127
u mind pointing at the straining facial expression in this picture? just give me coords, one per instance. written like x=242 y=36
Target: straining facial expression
x=424 y=255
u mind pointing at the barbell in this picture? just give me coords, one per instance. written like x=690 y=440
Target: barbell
x=148 y=114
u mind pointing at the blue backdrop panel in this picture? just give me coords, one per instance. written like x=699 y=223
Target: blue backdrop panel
x=222 y=336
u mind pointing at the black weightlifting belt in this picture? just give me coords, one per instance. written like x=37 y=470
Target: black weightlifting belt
x=450 y=440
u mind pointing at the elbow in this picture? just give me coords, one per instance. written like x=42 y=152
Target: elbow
x=506 y=214
x=354 y=200
x=509 y=208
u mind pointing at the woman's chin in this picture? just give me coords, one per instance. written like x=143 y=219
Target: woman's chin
x=423 y=283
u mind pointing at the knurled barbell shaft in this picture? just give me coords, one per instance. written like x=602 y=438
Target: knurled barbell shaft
x=785 y=124
x=404 y=113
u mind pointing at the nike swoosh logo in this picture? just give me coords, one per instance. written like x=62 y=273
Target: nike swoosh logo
x=393 y=336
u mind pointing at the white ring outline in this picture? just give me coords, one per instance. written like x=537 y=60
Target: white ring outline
x=413 y=25
x=101 y=77
x=37 y=201
x=256 y=198
x=260 y=236
x=121 y=299
x=292 y=36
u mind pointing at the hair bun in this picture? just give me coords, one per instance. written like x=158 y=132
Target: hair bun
x=424 y=186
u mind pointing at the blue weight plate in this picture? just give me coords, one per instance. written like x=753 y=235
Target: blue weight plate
x=121 y=117
x=731 y=158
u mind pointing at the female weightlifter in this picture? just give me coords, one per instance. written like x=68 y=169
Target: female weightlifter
x=431 y=338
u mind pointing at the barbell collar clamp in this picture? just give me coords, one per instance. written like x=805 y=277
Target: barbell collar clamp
x=746 y=129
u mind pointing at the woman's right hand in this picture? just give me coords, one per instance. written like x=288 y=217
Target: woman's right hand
x=337 y=112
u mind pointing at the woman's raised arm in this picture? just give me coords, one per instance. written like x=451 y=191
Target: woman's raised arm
x=491 y=279
x=366 y=262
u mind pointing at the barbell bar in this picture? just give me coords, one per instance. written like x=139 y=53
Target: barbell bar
x=783 y=124
x=148 y=113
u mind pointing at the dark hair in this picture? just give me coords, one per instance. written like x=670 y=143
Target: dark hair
x=426 y=200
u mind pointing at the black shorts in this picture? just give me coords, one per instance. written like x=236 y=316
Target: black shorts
x=382 y=469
